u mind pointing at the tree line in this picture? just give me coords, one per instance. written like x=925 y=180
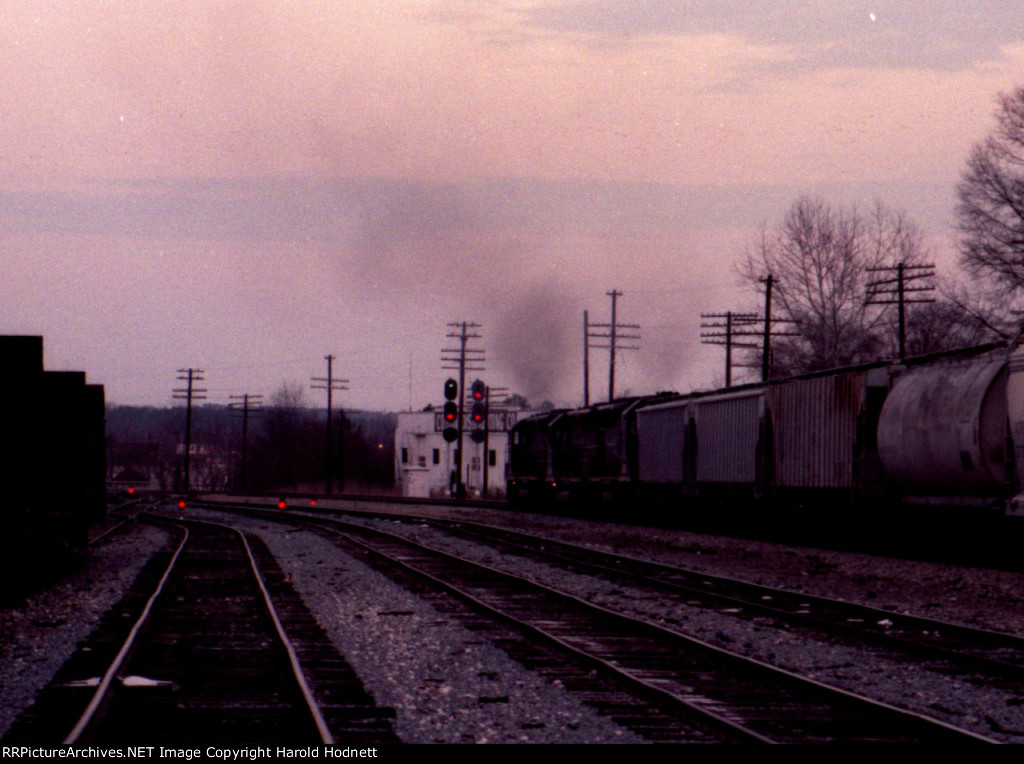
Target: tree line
x=824 y=259
x=285 y=449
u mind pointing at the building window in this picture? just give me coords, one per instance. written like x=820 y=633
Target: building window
x=437 y=456
x=492 y=458
x=405 y=456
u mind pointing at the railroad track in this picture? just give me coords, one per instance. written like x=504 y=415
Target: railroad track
x=984 y=656
x=675 y=683
x=210 y=646
x=991 y=657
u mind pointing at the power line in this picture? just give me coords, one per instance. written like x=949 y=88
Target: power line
x=724 y=328
x=893 y=291
x=616 y=334
x=245 y=405
x=330 y=384
x=189 y=393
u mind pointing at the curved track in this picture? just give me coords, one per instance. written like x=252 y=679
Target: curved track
x=993 y=656
x=736 y=697
x=208 y=658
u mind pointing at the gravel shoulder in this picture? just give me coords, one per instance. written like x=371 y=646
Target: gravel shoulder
x=36 y=638
x=449 y=685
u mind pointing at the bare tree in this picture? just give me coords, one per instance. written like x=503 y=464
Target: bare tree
x=819 y=258
x=952 y=321
x=991 y=202
x=287 y=454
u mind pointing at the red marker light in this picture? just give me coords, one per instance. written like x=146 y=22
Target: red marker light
x=181 y=504
x=130 y=490
x=281 y=504
x=312 y=502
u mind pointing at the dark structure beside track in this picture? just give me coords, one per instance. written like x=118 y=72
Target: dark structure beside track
x=52 y=466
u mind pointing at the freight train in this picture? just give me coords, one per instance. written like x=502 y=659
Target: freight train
x=52 y=466
x=944 y=429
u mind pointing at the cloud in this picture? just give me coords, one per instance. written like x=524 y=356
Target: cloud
x=945 y=35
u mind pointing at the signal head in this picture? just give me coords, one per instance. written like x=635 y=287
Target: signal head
x=477 y=390
x=451 y=389
x=451 y=412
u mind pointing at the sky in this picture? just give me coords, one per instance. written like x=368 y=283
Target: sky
x=248 y=187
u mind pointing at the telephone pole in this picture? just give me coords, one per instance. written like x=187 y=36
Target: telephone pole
x=465 y=359
x=245 y=405
x=723 y=330
x=189 y=393
x=614 y=336
x=766 y=342
x=893 y=291
x=586 y=358
x=330 y=384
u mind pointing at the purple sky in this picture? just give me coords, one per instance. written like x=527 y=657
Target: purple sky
x=245 y=187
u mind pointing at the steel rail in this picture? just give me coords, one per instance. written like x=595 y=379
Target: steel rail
x=834 y=692
x=105 y=685
x=103 y=688
x=307 y=693
x=810 y=612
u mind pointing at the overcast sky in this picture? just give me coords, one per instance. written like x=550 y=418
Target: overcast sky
x=245 y=187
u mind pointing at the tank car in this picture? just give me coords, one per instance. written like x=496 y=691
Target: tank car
x=943 y=432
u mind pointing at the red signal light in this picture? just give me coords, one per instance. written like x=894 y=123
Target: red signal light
x=181 y=504
x=281 y=504
x=130 y=490
x=312 y=502
x=451 y=412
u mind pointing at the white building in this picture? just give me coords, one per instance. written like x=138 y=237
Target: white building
x=424 y=461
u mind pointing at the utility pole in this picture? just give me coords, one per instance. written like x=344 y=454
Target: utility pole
x=586 y=358
x=330 y=384
x=189 y=393
x=893 y=291
x=724 y=328
x=766 y=351
x=614 y=336
x=766 y=342
x=466 y=359
x=245 y=405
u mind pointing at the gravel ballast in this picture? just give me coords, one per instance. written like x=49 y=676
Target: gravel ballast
x=448 y=684
x=38 y=637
